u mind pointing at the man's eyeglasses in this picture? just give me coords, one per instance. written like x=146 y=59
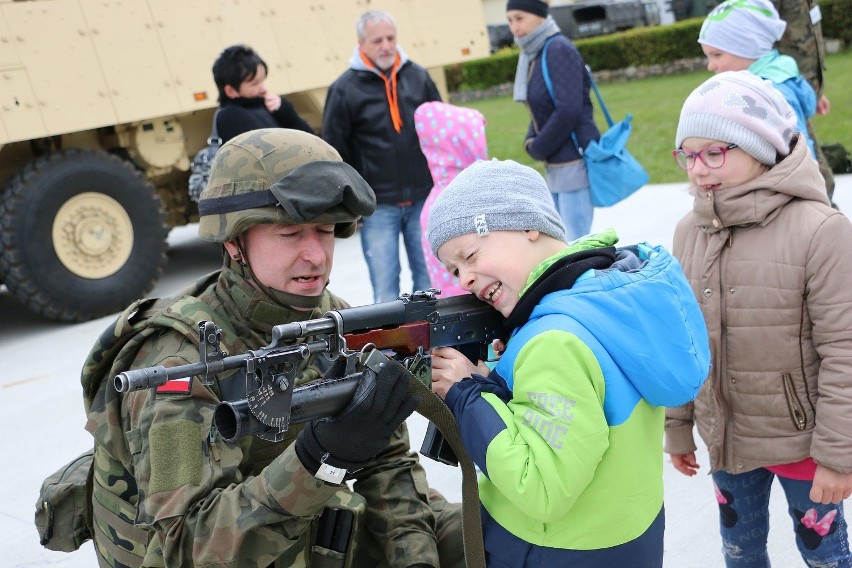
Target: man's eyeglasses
x=712 y=157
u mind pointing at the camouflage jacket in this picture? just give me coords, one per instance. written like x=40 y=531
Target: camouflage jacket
x=204 y=501
x=803 y=40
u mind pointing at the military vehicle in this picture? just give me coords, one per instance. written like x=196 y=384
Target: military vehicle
x=587 y=18
x=103 y=105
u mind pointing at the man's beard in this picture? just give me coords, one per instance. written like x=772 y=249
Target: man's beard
x=385 y=62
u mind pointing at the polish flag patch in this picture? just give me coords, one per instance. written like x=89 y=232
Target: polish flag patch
x=176 y=386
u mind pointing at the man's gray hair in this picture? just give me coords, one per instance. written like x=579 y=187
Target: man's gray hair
x=371 y=17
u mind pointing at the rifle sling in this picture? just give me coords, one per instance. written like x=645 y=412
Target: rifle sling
x=434 y=409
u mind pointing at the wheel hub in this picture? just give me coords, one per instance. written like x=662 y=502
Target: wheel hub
x=92 y=235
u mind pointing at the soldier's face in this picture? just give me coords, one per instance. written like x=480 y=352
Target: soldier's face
x=292 y=258
x=719 y=61
x=379 y=43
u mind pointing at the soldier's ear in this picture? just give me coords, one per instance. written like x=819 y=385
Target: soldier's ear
x=233 y=250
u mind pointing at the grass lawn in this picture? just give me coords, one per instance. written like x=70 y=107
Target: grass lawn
x=655 y=105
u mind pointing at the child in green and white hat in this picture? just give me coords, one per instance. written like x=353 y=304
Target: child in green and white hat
x=739 y=35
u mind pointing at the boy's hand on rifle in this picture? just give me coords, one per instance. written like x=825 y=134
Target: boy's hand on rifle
x=449 y=366
x=360 y=431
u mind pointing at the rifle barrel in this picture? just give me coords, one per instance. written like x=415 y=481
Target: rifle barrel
x=152 y=377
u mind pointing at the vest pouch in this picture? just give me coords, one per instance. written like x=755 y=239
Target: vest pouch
x=63 y=513
x=336 y=529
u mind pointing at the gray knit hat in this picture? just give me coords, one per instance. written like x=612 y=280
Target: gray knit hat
x=490 y=196
x=740 y=108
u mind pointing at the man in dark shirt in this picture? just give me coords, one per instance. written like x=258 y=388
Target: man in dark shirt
x=244 y=102
x=369 y=119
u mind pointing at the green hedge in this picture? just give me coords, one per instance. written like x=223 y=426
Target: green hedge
x=636 y=47
x=640 y=46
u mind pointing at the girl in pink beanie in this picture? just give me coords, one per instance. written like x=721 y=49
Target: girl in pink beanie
x=768 y=259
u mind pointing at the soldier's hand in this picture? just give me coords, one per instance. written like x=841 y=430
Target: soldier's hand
x=361 y=430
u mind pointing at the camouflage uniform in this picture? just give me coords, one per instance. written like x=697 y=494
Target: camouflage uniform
x=803 y=42
x=190 y=497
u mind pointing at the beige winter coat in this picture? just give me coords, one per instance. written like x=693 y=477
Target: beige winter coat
x=771 y=265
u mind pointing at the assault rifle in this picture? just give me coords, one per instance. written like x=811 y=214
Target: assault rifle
x=404 y=329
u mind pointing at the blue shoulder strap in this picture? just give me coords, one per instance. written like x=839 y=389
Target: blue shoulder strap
x=548 y=83
x=599 y=97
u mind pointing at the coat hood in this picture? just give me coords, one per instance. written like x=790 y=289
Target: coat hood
x=759 y=200
x=451 y=138
x=644 y=315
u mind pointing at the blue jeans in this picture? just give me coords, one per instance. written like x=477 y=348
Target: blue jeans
x=576 y=209
x=821 y=530
x=573 y=201
x=380 y=243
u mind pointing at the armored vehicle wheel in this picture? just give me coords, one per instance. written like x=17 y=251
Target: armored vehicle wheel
x=84 y=235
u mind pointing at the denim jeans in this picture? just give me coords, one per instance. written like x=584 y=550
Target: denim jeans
x=572 y=197
x=575 y=209
x=820 y=530
x=380 y=243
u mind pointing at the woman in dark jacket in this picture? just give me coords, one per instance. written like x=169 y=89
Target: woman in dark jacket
x=557 y=113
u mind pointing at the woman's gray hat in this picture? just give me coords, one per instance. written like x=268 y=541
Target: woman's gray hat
x=490 y=196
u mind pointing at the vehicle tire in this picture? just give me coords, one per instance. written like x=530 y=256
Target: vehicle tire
x=84 y=234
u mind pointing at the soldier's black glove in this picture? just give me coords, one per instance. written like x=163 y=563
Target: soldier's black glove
x=328 y=447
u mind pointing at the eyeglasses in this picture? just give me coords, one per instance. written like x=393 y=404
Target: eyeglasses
x=712 y=157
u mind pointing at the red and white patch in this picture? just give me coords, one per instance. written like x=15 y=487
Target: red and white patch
x=176 y=386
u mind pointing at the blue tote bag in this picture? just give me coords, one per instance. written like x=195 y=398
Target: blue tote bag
x=613 y=172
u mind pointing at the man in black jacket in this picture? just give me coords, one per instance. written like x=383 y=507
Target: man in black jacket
x=369 y=119
x=244 y=102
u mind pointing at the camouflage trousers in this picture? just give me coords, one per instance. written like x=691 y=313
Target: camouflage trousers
x=366 y=551
x=448 y=530
x=824 y=166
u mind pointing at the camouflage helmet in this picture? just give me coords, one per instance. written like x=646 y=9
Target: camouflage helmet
x=276 y=175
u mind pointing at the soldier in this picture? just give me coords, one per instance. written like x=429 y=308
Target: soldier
x=168 y=490
x=803 y=41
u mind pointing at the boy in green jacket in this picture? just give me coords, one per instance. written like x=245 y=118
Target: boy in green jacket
x=567 y=428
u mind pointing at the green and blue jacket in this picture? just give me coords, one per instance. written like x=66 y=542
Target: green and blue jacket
x=567 y=429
